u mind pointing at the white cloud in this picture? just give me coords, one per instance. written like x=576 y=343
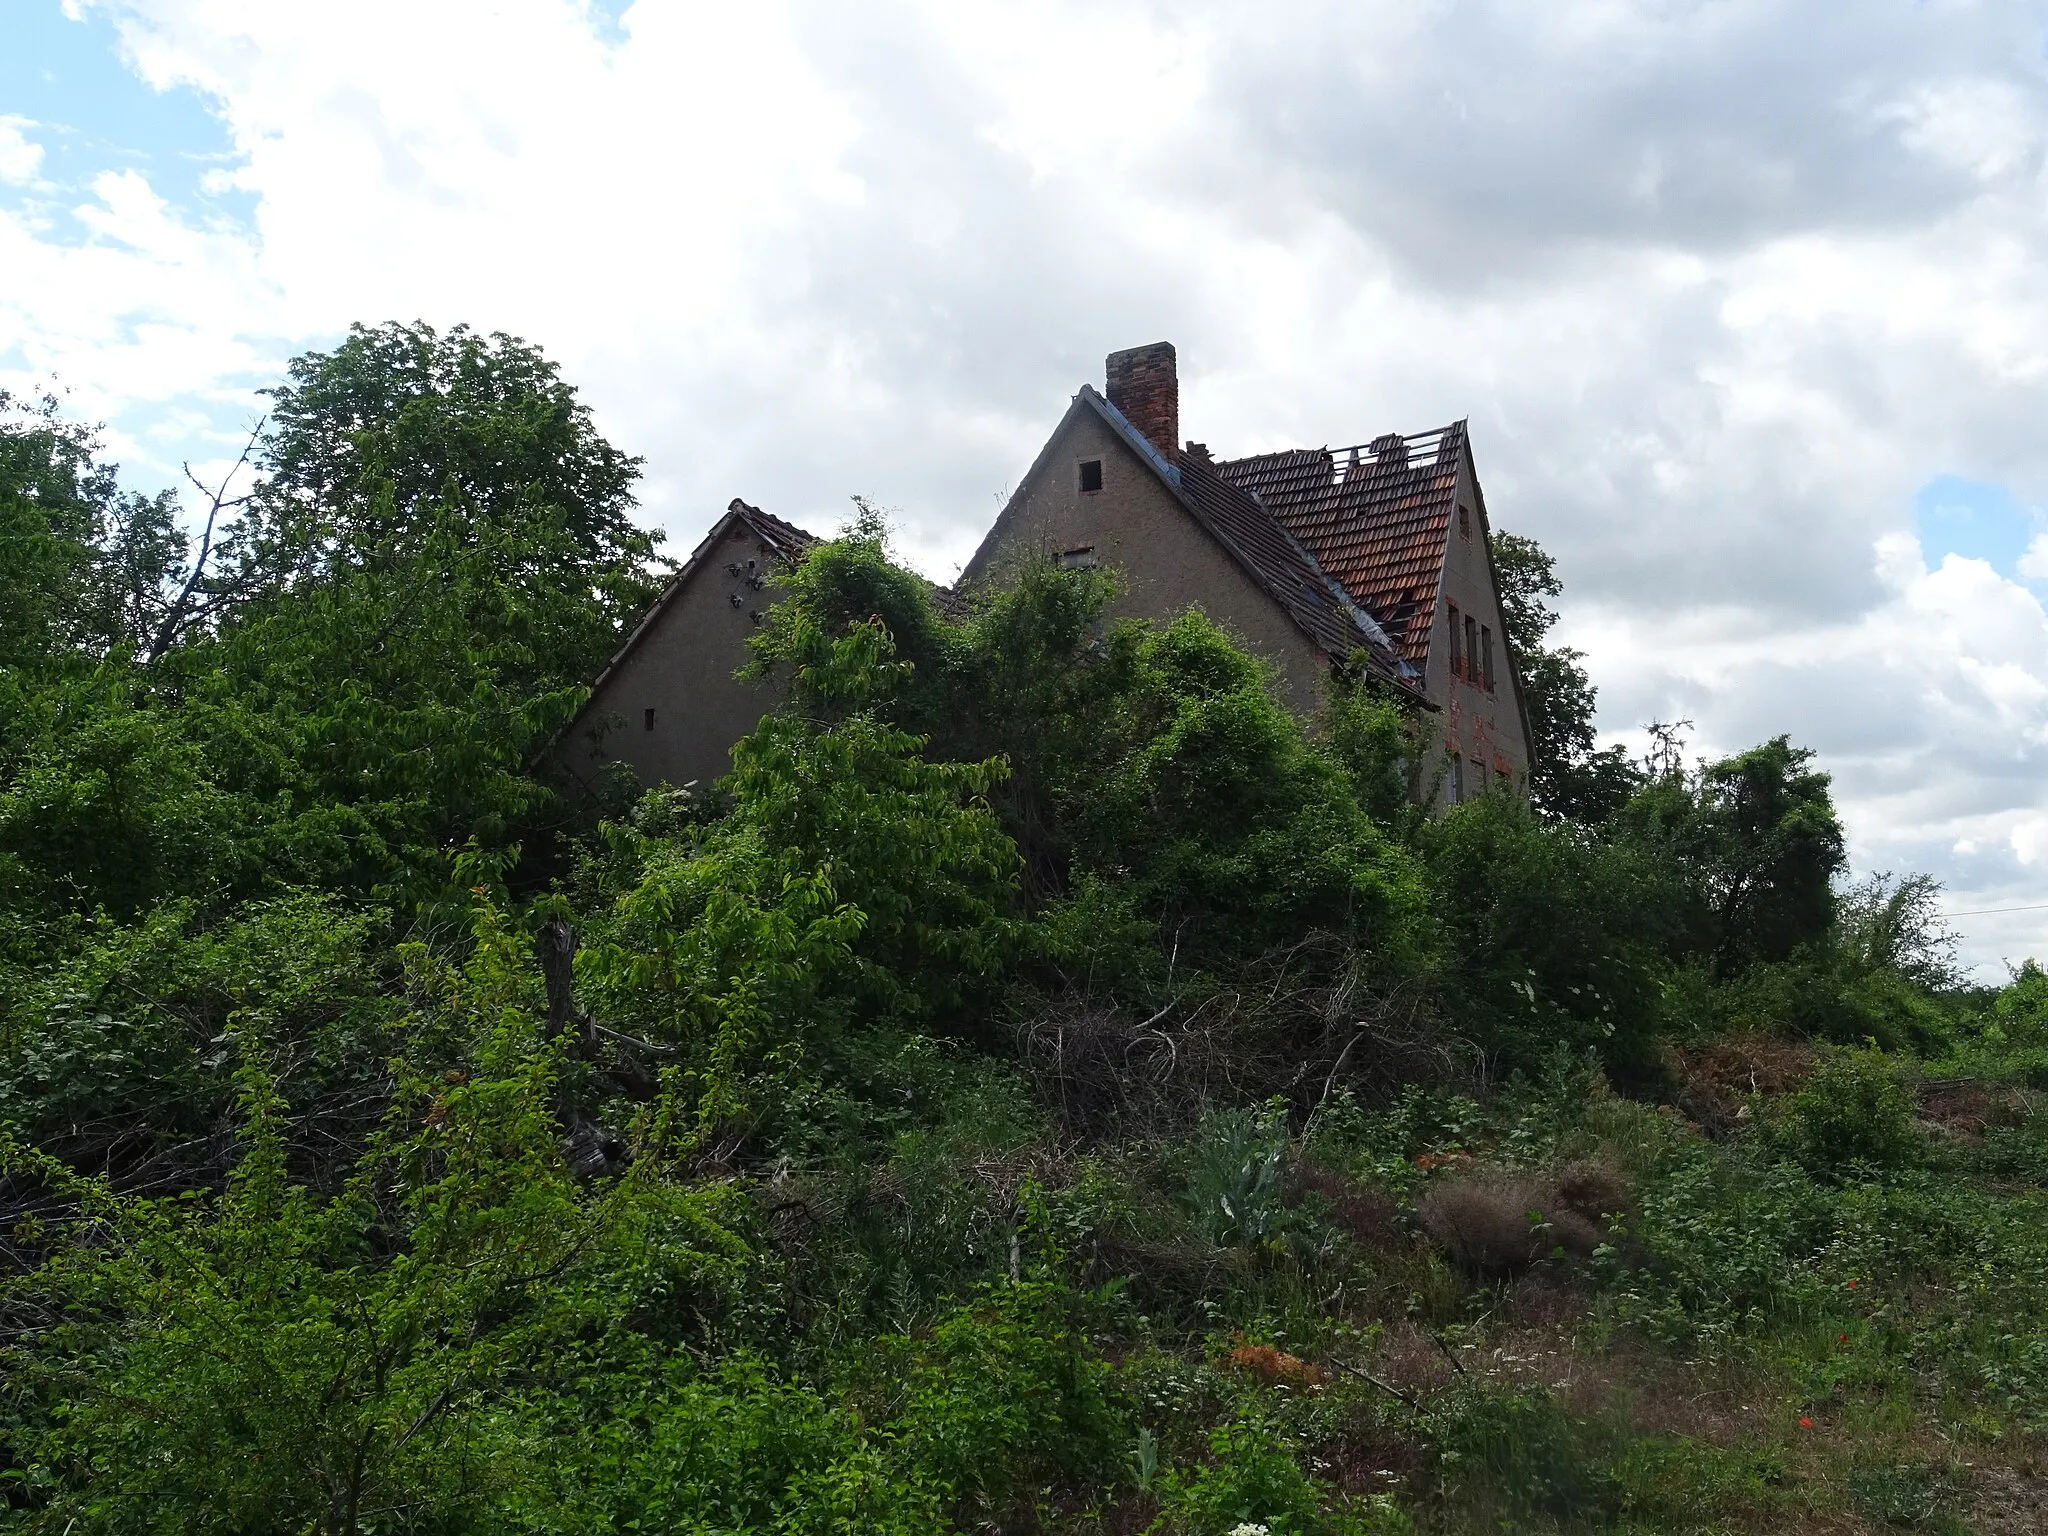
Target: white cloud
x=20 y=156
x=2034 y=563
x=1720 y=286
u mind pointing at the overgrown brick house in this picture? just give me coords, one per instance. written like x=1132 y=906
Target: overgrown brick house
x=1372 y=559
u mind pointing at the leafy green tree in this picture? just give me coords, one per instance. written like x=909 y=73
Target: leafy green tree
x=439 y=558
x=1760 y=834
x=83 y=564
x=1569 y=775
x=1560 y=937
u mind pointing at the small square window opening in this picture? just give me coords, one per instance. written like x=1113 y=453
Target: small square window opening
x=1091 y=474
x=647 y=720
x=1082 y=559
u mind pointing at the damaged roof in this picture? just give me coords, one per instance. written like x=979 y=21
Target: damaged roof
x=1269 y=551
x=1376 y=517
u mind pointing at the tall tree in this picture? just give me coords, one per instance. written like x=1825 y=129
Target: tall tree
x=83 y=564
x=1569 y=775
x=439 y=556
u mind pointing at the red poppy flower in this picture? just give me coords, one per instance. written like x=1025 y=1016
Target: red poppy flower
x=1806 y=1423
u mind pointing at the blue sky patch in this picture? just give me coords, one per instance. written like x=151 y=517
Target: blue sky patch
x=92 y=113
x=1974 y=519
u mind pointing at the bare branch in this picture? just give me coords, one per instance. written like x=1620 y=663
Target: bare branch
x=181 y=610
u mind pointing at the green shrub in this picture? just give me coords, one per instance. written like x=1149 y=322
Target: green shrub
x=1558 y=935
x=739 y=1448
x=1005 y=1397
x=1251 y=1478
x=1855 y=1113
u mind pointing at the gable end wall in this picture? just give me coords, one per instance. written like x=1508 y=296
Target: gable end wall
x=1167 y=562
x=682 y=668
x=1475 y=723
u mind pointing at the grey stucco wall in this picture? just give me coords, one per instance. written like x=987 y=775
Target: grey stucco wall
x=682 y=668
x=1167 y=561
x=1476 y=724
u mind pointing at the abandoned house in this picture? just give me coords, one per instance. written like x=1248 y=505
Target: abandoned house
x=1372 y=558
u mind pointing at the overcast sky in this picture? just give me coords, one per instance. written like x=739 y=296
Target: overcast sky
x=1747 y=302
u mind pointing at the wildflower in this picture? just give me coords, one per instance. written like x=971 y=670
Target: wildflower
x=1852 y=1285
x=1247 y=1528
x=1806 y=1423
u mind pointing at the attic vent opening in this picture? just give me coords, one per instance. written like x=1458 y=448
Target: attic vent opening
x=647 y=720
x=1082 y=559
x=1091 y=475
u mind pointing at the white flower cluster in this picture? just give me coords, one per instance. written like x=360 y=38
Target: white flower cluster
x=1248 y=1528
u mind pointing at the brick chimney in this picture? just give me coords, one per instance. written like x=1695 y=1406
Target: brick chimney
x=1144 y=383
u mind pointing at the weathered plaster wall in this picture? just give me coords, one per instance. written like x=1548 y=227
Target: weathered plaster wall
x=682 y=668
x=1479 y=725
x=1166 y=560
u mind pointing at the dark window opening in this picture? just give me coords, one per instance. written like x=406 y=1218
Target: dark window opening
x=1091 y=474
x=648 y=718
x=1471 y=649
x=1464 y=522
x=1478 y=777
x=1486 y=657
x=1457 y=645
x=1457 y=779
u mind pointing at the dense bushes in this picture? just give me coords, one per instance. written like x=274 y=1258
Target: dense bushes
x=1047 y=1085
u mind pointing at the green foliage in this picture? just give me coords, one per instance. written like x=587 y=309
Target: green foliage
x=1561 y=936
x=1517 y=1455
x=1383 y=1145
x=1853 y=1115
x=1213 y=807
x=128 y=1047
x=389 y=1148
x=83 y=565
x=1251 y=1478
x=1234 y=1182
x=1758 y=832
x=105 y=805
x=1569 y=776
x=272 y=1359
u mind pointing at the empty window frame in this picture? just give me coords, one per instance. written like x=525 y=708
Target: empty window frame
x=1091 y=475
x=1477 y=777
x=1464 y=522
x=647 y=720
x=1081 y=559
x=1486 y=657
x=1457 y=644
x=1471 y=649
x=1457 y=779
